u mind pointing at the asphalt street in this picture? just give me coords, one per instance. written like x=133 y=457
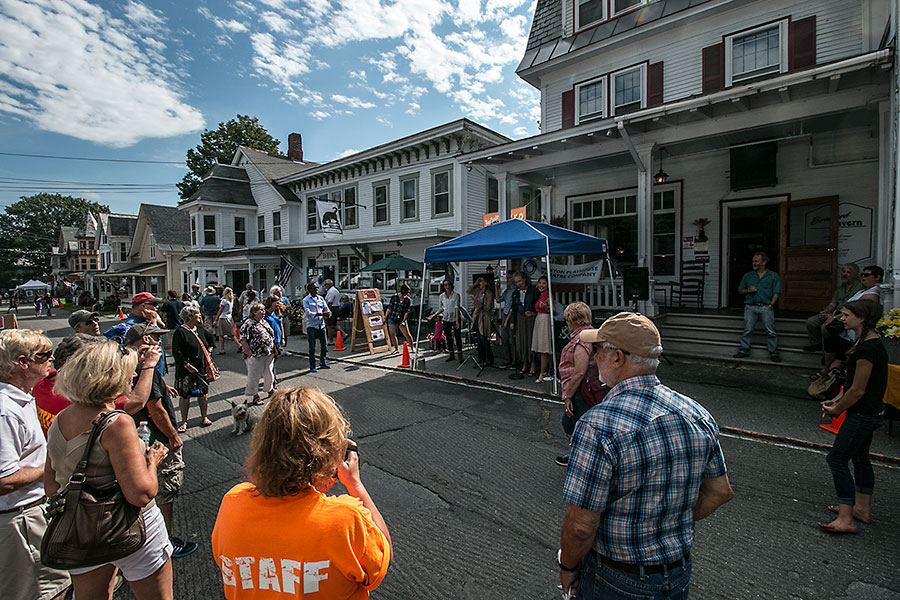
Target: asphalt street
x=465 y=479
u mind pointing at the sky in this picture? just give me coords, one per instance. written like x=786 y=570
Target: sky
x=133 y=84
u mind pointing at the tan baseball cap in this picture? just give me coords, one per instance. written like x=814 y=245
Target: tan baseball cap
x=632 y=332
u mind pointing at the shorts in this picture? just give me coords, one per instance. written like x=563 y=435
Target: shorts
x=149 y=558
x=225 y=327
x=333 y=319
x=209 y=322
x=169 y=477
x=22 y=575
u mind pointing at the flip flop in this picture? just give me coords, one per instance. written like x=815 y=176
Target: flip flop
x=182 y=428
x=829 y=529
x=257 y=401
x=833 y=508
x=206 y=423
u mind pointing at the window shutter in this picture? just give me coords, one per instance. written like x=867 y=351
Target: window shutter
x=568 y=109
x=655 y=84
x=714 y=68
x=802 y=43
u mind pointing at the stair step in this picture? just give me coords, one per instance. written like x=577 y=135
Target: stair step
x=722 y=350
x=733 y=334
x=701 y=320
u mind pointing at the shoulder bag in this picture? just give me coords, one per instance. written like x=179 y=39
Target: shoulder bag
x=593 y=391
x=212 y=371
x=90 y=525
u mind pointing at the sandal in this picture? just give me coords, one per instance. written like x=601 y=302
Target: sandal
x=206 y=423
x=183 y=427
x=256 y=401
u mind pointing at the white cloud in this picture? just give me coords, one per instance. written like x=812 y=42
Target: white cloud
x=521 y=131
x=384 y=121
x=224 y=24
x=142 y=17
x=319 y=115
x=348 y=152
x=276 y=22
x=351 y=101
x=74 y=69
x=358 y=75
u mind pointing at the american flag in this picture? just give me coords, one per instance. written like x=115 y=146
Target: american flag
x=285 y=272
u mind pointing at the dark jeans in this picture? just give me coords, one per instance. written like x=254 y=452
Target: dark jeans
x=602 y=582
x=852 y=444
x=508 y=343
x=451 y=333
x=313 y=334
x=579 y=407
x=485 y=354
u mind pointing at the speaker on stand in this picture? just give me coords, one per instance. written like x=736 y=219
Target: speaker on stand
x=636 y=285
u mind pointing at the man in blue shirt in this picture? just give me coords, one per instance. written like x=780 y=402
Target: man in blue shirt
x=143 y=310
x=761 y=289
x=315 y=309
x=644 y=465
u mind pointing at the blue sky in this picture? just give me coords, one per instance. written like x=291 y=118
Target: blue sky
x=139 y=81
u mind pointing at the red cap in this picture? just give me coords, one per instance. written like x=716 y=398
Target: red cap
x=144 y=298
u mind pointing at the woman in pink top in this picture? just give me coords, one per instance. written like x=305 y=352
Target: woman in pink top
x=543 y=327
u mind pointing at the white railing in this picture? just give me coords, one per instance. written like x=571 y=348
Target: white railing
x=604 y=295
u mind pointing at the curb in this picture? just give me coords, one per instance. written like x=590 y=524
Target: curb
x=878 y=458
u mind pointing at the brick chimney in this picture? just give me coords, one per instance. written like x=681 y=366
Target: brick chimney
x=295 y=147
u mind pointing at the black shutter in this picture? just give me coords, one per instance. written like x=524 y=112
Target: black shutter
x=655 y=84
x=802 y=43
x=568 y=109
x=714 y=68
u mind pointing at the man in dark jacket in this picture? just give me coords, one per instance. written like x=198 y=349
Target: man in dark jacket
x=521 y=320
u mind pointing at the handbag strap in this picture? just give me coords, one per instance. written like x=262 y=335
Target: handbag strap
x=79 y=474
x=206 y=355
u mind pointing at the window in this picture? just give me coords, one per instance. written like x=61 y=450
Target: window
x=93 y=264
x=209 y=230
x=123 y=252
x=276 y=226
x=591 y=100
x=349 y=208
x=755 y=53
x=260 y=229
x=442 y=197
x=102 y=261
x=628 y=90
x=152 y=246
x=193 y=231
x=381 y=202
x=348 y=273
x=312 y=219
x=409 y=199
x=383 y=280
x=589 y=11
x=664 y=233
x=240 y=231
x=493 y=195
x=619 y=6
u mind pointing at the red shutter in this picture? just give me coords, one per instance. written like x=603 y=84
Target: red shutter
x=714 y=68
x=802 y=43
x=568 y=109
x=655 y=84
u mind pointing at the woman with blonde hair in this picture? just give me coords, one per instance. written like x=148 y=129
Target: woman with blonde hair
x=94 y=378
x=224 y=319
x=299 y=449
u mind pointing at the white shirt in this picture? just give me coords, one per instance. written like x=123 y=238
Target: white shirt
x=22 y=444
x=875 y=289
x=333 y=297
x=449 y=306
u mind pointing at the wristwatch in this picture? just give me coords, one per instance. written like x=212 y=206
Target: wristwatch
x=563 y=567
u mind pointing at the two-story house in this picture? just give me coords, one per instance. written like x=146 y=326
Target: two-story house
x=161 y=239
x=63 y=256
x=113 y=241
x=702 y=131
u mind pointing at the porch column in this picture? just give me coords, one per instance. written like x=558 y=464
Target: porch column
x=645 y=220
x=503 y=201
x=547 y=203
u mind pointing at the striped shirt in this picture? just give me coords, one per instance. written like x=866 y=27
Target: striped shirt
x=638 y=459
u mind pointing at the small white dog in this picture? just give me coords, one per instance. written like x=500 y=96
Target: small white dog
x=243 y=421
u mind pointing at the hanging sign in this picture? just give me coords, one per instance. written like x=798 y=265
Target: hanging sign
x=329 y=217
x=854 y=233
x=494 y=217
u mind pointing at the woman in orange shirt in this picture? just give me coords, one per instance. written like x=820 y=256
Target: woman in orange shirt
x=279 y=533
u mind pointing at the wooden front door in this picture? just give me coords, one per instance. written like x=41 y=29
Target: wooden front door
x=808 y=261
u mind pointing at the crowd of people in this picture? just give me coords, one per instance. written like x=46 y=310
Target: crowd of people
x=644 y=461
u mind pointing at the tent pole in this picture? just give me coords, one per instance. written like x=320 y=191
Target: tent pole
x=426 y=285
x=552 y=323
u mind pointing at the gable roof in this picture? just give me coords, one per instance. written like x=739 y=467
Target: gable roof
x=273 y=166
x=227 y=184
x=170 y=226
x=121 y=225
x=546 y=41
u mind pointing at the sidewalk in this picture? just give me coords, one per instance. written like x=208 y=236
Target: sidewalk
x=760 y=401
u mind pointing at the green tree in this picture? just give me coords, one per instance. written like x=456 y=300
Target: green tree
x=220 y=144
x=29 y=227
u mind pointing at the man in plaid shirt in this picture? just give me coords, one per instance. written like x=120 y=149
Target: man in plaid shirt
x=644 y=465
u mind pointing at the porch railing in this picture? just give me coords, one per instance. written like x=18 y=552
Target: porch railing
x=604 y=295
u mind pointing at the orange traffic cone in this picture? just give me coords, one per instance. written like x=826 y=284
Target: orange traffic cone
x=405 y=362
x=836 y=422
x=340 y=343
x=236 y=334
x=121 y=314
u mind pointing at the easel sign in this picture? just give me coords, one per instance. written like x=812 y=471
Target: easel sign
x=368 y=321
x=9 y=322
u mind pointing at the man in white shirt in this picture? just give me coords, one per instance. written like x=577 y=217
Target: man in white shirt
x=333 y=299
x=24 y=360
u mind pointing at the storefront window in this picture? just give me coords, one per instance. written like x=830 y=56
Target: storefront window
x=348 y=273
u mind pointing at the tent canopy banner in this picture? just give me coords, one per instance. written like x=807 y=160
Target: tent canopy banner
x=515 y=238
x=590 y=272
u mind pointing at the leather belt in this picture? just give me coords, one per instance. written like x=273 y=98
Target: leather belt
x=26 y=507
x=648 y=569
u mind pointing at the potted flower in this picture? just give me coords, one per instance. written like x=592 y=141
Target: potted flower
x=889 y=329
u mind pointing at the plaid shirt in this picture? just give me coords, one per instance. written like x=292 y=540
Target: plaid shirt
x=567 y=358
x=638 y=459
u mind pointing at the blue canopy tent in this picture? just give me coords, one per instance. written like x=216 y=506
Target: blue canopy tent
x=515 y=238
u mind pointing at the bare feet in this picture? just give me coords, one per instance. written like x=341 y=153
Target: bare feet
x=837 y=526
x=857 y=514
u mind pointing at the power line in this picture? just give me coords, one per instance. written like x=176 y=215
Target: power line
x=112 y=160
x=11 y=179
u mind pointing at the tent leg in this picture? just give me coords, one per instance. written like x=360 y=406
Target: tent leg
x=425 y=287
x=552 y=330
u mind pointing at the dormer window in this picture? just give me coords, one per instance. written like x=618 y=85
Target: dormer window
x=589 y=12
x=620 y=6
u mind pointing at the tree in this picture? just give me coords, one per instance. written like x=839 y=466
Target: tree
x=29 y=227
x=219 y=145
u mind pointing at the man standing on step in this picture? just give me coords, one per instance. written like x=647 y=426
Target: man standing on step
x=761 y=289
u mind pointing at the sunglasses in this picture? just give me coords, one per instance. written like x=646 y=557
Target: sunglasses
x=866 y=275
x=42 y=357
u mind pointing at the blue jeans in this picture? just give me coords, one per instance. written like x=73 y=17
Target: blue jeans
x=602 y=582
x=752 y=314
x=578 y=408
x=313 y=334
x=852 y=444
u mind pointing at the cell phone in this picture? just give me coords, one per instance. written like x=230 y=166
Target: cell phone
x=351 y=447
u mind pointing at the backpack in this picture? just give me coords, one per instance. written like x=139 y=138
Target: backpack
x=593 y=391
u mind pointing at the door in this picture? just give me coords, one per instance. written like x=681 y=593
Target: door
x=751 y=229
x=808 y=252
